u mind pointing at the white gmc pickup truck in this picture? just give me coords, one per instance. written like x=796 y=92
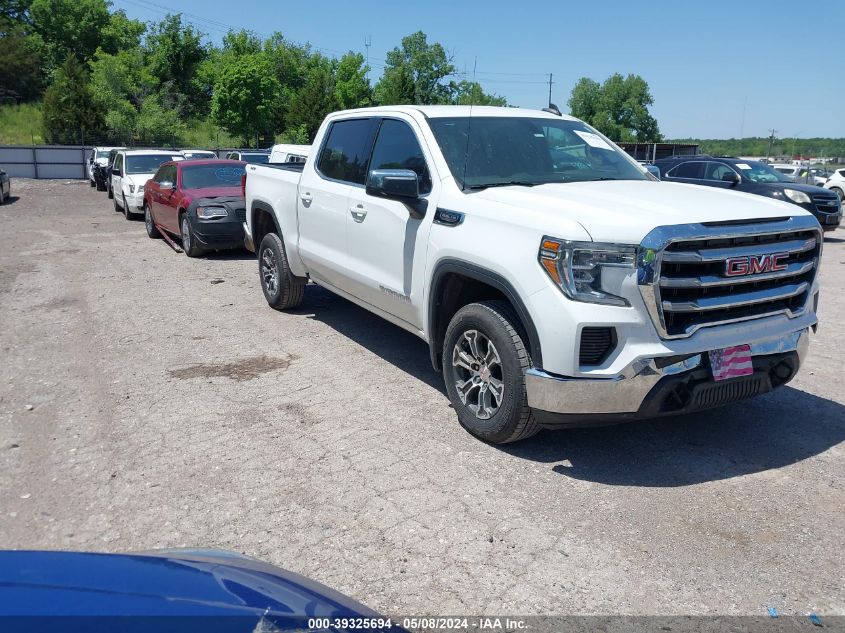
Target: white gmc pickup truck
x=555 y=282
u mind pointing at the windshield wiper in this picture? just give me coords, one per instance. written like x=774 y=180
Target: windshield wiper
x=604 y=178
x=507 y=183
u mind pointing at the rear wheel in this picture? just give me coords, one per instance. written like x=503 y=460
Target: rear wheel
x=189 y=242
x=838 y=192
x=152 y=231
x=484 y=363
x=282 y=289
x=126 y=211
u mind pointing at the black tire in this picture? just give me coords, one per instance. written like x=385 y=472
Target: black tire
x=152 y=231
x=91 y=183
x=189 y=242
x=100 y=187
x=110 y=191
x=117 y=208
x=496 y=322
x=126 y=212
x=282 y=289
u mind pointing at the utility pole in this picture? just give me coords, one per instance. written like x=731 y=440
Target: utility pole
x=771 y=140
x=550 y=89
x=367 y=43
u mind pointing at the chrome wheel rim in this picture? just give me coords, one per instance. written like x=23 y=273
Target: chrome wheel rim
x=478 y=374
x=186 y=235
x=269 y=271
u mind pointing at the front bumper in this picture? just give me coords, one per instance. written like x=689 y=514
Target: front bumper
x=225 y=233
x=650 y=387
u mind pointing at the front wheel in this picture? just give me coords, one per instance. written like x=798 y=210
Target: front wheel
x=152 y=231
x=282 y=289
x=484 y=363
x=839 y=193
x=189 y=242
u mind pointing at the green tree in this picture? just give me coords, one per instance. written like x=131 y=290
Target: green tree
x=120 y=84
x=618 y=108
x=70 y=112
x=414 y=73
x=351 y=87
x=174 y=54
x=121 y=33
x=471 y=93
x=22 y=78
x=70 y=27
x=310 y=105
x=246 y=97
x=157 y=125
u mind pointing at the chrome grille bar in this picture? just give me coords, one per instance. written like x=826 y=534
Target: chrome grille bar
x=715 y=281
x=737 y=299
x=721 y=254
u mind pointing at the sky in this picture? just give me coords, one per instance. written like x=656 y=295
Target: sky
x=716 y=70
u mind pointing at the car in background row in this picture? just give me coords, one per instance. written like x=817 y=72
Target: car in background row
x=256 y=156
x=5 y=186
x=287 y=153
x=752 y=177
x=99 y=158
x=836 y=183
x=198 y=201
x=177 y=590
x=198 y=154
x=130 y=172
x=802 y=173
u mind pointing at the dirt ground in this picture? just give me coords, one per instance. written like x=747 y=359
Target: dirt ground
x=148 y=400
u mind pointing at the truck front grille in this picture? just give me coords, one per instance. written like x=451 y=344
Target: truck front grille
x=731 y=273
x=826 y=203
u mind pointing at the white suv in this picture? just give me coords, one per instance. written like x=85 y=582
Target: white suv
x=130 y=172
x=836 y=183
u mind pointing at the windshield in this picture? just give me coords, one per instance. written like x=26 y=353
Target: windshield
x=145 y=164
x=761 y=172
x=196 y=155
x=255 y=158
x=103 y=154
x=528 y=151
x=201 y=176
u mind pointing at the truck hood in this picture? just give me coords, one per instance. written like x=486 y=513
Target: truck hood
x=625 y=211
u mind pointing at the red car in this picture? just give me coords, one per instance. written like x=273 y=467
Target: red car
x=199 y=202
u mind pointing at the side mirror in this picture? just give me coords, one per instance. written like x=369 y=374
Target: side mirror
x=399 y=184
x=115 y=172
x=653 y=170
x=166 y=184
x=730 y=177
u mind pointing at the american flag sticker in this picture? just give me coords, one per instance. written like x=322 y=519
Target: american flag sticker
x=731 y=362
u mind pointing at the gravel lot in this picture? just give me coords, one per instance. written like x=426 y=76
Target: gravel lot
x=148 y=401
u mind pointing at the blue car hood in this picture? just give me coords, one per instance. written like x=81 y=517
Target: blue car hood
x=171 y=586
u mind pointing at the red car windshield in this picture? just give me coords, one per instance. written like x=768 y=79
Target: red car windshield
x=203 y=176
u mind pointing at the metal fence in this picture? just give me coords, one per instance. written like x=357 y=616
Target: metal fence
x=52 y=161
x=44 y=161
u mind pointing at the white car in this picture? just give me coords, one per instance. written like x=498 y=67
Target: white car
x=97 y=157
x=802 y=173
x=250 y=156
x=130 y=172
x=555 y=282
x=287 y=153
x=198 y=154
x=836 y=183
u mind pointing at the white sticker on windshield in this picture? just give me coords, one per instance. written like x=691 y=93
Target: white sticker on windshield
x=743 y=166
x=593 y=140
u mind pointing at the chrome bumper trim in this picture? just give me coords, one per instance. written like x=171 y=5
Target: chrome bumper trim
x=626 y=392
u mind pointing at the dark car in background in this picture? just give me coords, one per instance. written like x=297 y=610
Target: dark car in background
x=198 y=201
x=752 y=177
x=170 y=590
x=5 y=186
x=102 y=173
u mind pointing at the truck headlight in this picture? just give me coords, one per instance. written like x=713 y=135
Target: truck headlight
x=576 y=267
x=211 y=212
x=798 y=197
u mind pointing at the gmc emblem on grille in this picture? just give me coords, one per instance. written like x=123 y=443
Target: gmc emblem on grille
x=755 y=264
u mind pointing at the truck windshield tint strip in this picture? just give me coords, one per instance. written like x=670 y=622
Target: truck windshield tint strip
x=488 y=151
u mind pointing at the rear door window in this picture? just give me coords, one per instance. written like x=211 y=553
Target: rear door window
x=692 y=169
x=345 y=155
x=716 y=171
